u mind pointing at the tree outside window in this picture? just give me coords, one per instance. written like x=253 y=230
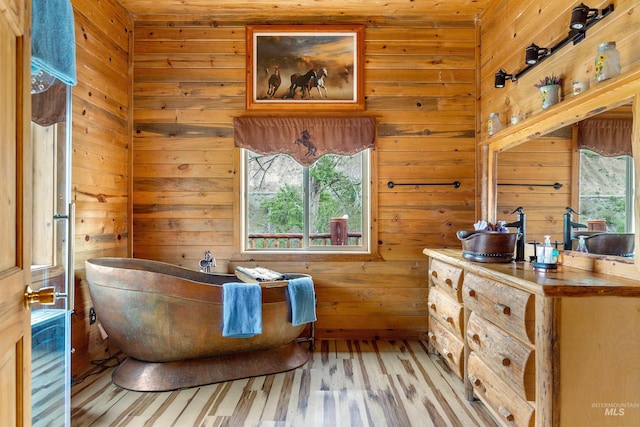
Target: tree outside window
x=606 y=190
x=291 y=207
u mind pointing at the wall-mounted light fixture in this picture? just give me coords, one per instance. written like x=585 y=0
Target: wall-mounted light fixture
x=534 y=53
x=501 y=77
x=582 y=17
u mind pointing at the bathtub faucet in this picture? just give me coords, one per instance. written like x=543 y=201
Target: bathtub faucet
x=207 y=262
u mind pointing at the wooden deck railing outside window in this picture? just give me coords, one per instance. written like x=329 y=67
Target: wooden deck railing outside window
x=293 y=240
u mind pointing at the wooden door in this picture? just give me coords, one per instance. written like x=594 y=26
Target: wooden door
x=15 y=213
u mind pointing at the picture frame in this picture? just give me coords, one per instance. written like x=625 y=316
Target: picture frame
x=319 y=67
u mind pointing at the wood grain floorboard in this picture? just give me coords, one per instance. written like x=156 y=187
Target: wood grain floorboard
x=345 y=383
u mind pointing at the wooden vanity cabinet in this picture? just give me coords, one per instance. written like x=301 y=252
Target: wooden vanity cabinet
x=446 y=315
x=539 y=349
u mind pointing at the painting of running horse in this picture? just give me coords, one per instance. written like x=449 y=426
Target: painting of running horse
x=319 y=66
x=304 y=82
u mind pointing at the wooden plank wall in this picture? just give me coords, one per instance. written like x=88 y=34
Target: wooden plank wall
x=505 y=31
x=100 y=156
x=419 y=83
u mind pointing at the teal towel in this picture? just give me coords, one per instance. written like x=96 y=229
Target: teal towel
x=241 y=310
x=303 y=300
x=53 y=42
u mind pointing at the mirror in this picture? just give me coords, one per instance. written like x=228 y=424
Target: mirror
x=597 y=99
x=549 y=173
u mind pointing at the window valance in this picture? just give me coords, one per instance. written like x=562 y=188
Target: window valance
x=305 y=139
x=607 y=137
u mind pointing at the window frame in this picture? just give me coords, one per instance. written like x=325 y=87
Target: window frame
x=368 y=246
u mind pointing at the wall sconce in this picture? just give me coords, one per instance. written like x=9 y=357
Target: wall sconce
x=583 y=17
x=534 y=53
x=501 y=77
x=580 y=15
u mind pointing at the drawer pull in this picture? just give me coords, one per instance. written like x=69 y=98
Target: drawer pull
x=450 y=319
x=448 y=282
x=474 y=337
x=432 y=307
x=503 y=309
x=434 y=278
x=448 y=353
x=474 y=380
x=506 y=414
x=432 y=336
x=506 y=361
x=472 y=293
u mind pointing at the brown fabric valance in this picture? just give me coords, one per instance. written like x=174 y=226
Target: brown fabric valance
x=305 y=139
x=608 y=137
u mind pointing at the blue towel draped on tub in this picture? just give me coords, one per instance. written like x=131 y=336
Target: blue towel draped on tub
x=241 y=310
x=303 y=300
x=53 y=43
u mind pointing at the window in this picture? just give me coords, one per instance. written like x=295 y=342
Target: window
x=323 y=207
x=606 y=190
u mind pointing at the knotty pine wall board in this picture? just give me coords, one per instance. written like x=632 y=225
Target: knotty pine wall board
x=420 y=85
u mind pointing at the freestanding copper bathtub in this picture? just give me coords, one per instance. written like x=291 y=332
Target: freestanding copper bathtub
x=168 y=321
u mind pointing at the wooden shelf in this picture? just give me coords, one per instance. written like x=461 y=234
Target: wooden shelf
x=600 y=97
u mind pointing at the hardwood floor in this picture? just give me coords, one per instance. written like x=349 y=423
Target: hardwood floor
x=345 y=383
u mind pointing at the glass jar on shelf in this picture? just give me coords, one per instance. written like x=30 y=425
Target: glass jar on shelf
x=493 y=124
x=607 y=61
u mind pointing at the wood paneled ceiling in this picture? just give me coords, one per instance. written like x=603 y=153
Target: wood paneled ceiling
x=318 y=9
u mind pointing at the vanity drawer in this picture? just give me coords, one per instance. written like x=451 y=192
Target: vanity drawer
x=510 y=409
x=506 y=306
x=447 y=278
x=447 y=311
x=511 y=359
x=448 y=345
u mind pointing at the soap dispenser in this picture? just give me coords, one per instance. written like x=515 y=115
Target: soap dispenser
x=547 y=250
x=582 y=246
x=546 y=258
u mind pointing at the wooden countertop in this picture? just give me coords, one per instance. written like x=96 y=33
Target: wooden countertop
x=565 y=282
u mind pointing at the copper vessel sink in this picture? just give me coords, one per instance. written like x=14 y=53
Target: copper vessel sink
x=619 y=244
x=487 y=246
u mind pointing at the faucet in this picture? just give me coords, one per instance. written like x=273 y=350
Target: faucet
x=207 y=262
x=521 y=229
x=568 y=226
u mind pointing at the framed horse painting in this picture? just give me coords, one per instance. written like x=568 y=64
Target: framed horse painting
x=316 y=67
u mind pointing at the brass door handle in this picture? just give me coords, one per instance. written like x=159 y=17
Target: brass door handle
x=44 y=296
